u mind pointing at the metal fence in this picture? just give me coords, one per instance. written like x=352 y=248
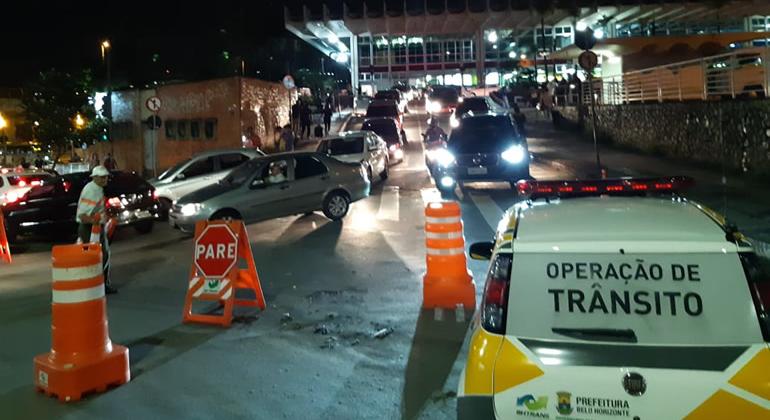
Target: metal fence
x=741 y=73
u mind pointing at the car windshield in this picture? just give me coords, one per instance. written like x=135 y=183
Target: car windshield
x=171 y=171
x=446 y=95
x=483 y=135
x=342 y=146
x=382 y=111
x=242 y=173
x=475 y=105
x=658 y=298
x=384 y=128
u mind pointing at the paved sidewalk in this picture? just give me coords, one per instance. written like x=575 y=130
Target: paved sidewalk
x=745 y=201
x=338 y=124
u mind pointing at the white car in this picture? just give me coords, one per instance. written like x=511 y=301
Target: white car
x=604 y=301
x=15 y=183
x=199 y=171
x=359 y=146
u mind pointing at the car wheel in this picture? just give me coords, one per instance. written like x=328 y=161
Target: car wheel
x=227 y=215
x=165 y=208
x=144 y=227
x=385 y=172
x=336 y=205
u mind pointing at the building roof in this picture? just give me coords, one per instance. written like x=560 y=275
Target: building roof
x=583 y=224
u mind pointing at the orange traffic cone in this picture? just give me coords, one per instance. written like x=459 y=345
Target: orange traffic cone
x=5 y=247
x=82 y=357
x=447 y=282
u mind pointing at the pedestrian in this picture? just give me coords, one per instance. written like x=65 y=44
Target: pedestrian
x=306 y=120
x=328 y=118
x=287 y=138
x=110 y=163
x=90 y=212
x=295 y=111
x=546 y=102
x=93 y=162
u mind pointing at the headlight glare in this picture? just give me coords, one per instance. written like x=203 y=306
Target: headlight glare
x=514 y=154
x=190 y=209
x=444 y=157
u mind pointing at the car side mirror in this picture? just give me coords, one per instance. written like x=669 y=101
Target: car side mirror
x=481 y=250
x=179 y=177
x=257 y=184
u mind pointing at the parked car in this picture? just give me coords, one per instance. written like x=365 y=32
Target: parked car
x=388 y=130
x=275 y=186
x=387 y=108
x=15 y=183
x=50 y=207
x=197 y=172
x=359 y=146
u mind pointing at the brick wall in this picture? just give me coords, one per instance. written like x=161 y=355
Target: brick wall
x=705 y=132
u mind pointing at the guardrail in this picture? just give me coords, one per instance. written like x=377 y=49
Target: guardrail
x=740 y=73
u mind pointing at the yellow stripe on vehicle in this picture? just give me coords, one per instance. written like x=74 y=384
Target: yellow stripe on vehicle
x=513 y=368
x=724 y=405
x=480 y=366
x=754 y=377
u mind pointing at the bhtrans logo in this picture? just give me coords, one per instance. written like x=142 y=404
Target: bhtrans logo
x=529 y=406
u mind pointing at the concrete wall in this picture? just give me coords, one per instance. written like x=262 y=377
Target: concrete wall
x=693 y=131
x=126 y=145
x=264 y=106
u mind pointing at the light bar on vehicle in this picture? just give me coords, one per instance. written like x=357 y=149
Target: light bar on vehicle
x=618 y=186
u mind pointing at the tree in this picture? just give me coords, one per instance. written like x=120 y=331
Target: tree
x=53 y=101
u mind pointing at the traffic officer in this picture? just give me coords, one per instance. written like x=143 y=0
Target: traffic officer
x=91 y=211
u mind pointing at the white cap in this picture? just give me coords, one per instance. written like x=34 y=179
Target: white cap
x=100 y=171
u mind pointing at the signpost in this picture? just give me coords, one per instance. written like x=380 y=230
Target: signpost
x=588 y=61
x=215 y=251
x=153 y=104
x=288 y=83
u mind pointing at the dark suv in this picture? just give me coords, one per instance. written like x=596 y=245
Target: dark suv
x=50 y=207
x=483 y=148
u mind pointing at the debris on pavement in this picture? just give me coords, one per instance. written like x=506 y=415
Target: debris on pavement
x=286 y=317
x=382 y=333
x=329 y=343
x=331 y=315
x=321 y=329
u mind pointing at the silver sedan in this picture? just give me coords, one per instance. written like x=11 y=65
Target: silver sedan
x=275 y=186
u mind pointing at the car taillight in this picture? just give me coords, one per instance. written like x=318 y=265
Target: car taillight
x=619 y=186
x=114 y=202
x=11 y=197
x=154 y=194
x=22 y=183
x=494 y=305
x=67 y=185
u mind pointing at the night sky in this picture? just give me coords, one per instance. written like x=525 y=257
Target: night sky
x=152 y=41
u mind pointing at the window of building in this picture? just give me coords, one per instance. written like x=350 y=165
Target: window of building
x=468 y=51
x=181 y=129
x=433 y=51
x=170 y=129
x=398 y=50
x=416 y=53
x=380 y=50
x=307 y=166
x=450 y=50
x=210 y=128
x=195 y=129
x=365 y=50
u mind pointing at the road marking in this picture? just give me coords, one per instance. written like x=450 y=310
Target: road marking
x=488 y=208
x=389 y=206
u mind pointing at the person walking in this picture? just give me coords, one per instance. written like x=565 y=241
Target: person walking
x=90 y=212
x=110 y=163
x=295 y=111
x=287 y=137
x=306 y=120
x=328 y=118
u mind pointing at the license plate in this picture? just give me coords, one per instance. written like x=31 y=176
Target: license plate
x=143 y=214
x=481 y=170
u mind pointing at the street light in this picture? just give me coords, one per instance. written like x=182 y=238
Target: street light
x=106 y=48
x=79 y=121
x=3 y=122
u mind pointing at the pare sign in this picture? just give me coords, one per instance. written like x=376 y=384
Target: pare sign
x=216 y=251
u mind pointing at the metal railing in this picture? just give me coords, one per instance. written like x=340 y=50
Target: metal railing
x=740 y=73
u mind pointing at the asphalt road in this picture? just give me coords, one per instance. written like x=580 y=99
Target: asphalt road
x=330 y=288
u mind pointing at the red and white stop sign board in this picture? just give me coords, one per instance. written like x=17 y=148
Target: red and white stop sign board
x=216 y=251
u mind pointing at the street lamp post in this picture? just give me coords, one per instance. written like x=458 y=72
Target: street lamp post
x=106 y=49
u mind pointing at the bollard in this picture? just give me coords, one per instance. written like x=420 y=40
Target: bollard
x=82 y=357
x=447 y=282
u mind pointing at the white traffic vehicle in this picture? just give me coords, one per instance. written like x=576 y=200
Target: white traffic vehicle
x=359 y=146
x=15 y=183
x=604 y=301
x=199 y=171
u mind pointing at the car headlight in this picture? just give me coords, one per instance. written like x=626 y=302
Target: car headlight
x=514 y=154
x=190 y=209
x=434 y=106
x=454 y=122
x=444 y=157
